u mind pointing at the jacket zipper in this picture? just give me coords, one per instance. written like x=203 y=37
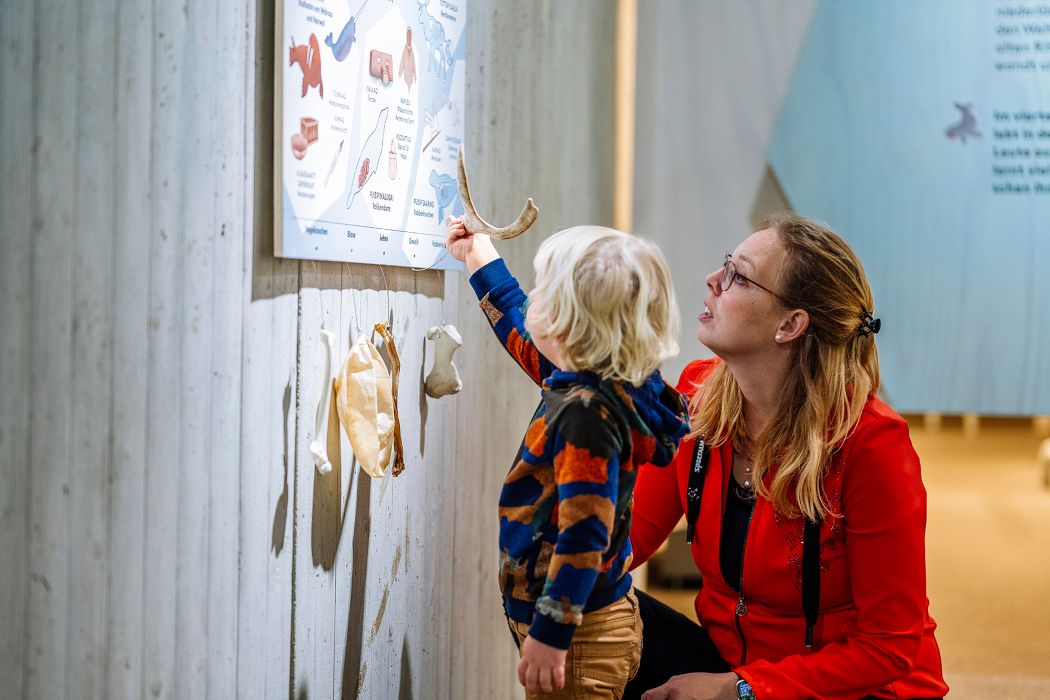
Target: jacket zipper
x=741 y=606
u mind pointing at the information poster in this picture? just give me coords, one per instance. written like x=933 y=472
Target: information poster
x=921 y=132
x=368 y=127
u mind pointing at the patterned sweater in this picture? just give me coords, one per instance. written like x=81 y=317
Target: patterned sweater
x=565 y=508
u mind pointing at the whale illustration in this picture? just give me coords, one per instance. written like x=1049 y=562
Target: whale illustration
x=341 y=46
x=446 y=190
x=370 y=153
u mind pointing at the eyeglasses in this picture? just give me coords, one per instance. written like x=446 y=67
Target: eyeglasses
x=730 y=275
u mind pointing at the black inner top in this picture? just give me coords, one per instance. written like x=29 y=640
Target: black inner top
x=740 y=503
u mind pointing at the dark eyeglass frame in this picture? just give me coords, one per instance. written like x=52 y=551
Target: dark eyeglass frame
x=730 y=273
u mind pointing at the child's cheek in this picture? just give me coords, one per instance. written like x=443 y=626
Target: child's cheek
x=533 y=322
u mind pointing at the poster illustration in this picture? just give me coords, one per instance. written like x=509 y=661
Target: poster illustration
x=368 y=125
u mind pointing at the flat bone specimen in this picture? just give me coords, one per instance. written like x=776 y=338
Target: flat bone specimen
x=444 y=377
x=319 y=446
x=399 y=449
x=475 y=224
x=364 y=398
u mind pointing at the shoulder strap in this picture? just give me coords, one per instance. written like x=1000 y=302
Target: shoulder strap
x=811 y=572
x=811 y=577
x=701 y=456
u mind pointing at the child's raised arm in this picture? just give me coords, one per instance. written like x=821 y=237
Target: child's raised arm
x=502 y=298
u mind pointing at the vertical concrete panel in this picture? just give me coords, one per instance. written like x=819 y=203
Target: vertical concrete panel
x=165 y=397
x=267 y=402
x=230 y=245
x=711 y=78
x=17 y=44
x=90 y=393
x=195 y=296
x=130 y=304
x=52 y=452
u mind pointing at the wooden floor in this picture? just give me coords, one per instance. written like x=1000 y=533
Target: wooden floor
x=988 y=558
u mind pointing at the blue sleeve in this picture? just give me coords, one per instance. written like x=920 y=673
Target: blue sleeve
x=504 y=304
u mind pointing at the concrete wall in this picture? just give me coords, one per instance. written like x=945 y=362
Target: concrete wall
x=711 y=79
x=163 y=530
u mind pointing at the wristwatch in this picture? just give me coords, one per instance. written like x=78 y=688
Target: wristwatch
x=743 y=690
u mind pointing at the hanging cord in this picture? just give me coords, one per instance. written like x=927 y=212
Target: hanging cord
x=438 y=259
x=357 y=314
x=386 y=286
x=320 y=296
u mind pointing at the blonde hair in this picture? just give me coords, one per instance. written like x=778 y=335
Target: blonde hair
x=609 y=301
x=835 y=371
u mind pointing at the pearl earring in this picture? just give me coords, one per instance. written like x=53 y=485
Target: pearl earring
x=778 y=338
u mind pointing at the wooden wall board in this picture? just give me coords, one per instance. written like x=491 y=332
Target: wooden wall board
x=17 y=49
x=90 y=391
x=268 y=390
x=165 y=431
x=52 y=452
x=131 y=254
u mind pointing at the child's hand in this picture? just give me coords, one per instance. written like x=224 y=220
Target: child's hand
x=474 y=250
x=457 y=240
x=542 y=667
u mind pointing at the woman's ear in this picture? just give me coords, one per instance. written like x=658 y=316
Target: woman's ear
x=793 y=326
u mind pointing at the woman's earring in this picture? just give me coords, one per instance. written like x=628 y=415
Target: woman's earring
x=777 y=338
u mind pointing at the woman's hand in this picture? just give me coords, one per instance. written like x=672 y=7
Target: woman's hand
x=696 y=686
x=542 y=667
x=475 y=250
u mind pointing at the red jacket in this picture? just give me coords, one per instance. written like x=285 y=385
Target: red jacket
x=874 y=634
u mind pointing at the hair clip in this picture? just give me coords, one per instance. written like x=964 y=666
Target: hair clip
x=868 y=325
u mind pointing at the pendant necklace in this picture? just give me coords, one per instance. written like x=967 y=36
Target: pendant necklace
x=745 y=489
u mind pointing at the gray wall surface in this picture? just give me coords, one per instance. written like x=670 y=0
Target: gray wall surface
x=163 y=531
x=711 y=78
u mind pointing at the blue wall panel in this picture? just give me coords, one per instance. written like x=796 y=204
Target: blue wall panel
x=957 y=251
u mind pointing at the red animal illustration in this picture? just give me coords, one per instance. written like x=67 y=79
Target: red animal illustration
x=309 y=60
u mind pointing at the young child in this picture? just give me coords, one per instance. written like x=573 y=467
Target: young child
x=592 y=333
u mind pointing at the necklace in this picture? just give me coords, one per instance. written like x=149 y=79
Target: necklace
x=747 y=469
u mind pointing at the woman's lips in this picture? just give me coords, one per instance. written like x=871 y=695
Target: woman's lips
x=706 y=315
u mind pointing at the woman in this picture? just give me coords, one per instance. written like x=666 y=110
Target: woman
x=792 y=435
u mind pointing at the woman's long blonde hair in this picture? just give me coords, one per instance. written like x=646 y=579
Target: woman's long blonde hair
x=835 y=370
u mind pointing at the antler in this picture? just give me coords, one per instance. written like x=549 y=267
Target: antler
x=475 y=224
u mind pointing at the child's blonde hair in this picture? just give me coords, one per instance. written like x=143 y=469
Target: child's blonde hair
x=609 y=302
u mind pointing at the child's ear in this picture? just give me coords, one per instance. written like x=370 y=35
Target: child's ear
x=793 y=326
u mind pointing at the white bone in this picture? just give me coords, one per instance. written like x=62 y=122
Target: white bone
x=475 y=224
x=444 y=377
x=319 y=446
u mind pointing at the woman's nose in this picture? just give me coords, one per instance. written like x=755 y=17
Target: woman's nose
x=713 y=281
